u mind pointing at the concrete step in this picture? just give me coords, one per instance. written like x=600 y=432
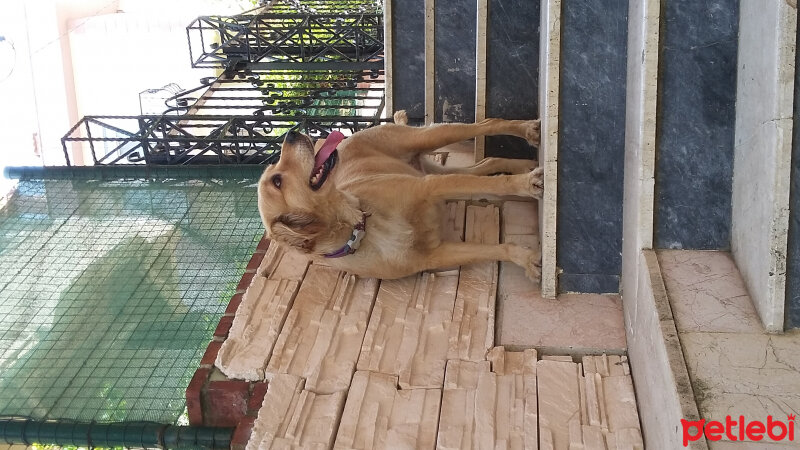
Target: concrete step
x=736 y=368
x=696 y=340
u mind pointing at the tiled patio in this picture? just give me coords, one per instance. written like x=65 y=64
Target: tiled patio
x=422 y=358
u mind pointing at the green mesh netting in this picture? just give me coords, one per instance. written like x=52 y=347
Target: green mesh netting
x=111 y=290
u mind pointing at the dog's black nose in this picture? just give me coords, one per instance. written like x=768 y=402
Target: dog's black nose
x=292 y=136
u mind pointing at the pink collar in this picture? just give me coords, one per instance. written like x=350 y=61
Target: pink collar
x=352 y=244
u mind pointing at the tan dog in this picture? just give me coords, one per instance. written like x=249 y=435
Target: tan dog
x=369 y=210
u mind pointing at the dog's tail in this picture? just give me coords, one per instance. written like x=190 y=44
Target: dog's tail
x=400 y=117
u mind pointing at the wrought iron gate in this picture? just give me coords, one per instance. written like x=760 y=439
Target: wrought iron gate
x=198 y=139
x=315 y=66
x=280 y=40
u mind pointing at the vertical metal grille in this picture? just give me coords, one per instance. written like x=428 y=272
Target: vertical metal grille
x=197 y=139
x=273 y=40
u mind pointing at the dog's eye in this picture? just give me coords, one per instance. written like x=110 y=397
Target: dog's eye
x=276 y=181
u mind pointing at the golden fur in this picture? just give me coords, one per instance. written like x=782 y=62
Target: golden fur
x=377 y=173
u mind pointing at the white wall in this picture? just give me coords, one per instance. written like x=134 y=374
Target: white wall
x=549 y=70
x=39 y=96
x=762 y=156
x=640 y=140
x=54 y=83
x=18 y=124
x=116 y=56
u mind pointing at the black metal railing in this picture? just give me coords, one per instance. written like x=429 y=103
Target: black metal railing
x=196 y=139
x=280 y=41
x=314 y=65
x=326 y=6
x=285 y=92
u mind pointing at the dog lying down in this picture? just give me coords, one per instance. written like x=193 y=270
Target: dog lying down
x=371 y=206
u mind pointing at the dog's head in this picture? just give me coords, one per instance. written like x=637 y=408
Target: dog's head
x=297 y=198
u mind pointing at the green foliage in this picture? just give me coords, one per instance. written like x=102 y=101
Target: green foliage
x=329 y=6
x=69 y=447
x=319 y=93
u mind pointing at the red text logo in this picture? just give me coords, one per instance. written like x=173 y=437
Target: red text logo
x=738 y=430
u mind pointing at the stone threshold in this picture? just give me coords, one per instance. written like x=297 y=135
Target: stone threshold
x=698 y=344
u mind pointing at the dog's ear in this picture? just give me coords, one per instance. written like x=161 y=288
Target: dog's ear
x=298 y=229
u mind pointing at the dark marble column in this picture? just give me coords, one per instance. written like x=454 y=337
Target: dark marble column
x=792 y=309
x=695 y=131
x=408 y=53
x=455 y=60
x=512 y=70
x=591 y=144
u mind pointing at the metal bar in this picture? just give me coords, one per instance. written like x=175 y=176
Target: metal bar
x=430 y=66
x=189 y=42
x=296 y=15
x=380 y=108
x=191 y=139
x=202 y=40
x=210 y=117
x=123 y=155
x=258 y=140
x=480 y=76
x=94 y=119
x=91 y=142
x=265 y=36
x=111 y=152
x=310 y=73
x=290 y=89
x=212 y=139
x=66 y=153
x=126 y=434
x=327 y=65
x=145 y=144
x=64 y=140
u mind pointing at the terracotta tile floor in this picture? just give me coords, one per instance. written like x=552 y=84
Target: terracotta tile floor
x=415 y=355
x=570 y=323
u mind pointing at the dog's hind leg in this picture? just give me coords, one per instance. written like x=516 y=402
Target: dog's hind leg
x=405 y=141
x=530 y=184
x=487 y=166
x=451 y=254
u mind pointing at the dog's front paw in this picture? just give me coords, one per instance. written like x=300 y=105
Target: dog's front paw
x=533 y=132
x=533 y=269
x=529 y=259
x=535 y=182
